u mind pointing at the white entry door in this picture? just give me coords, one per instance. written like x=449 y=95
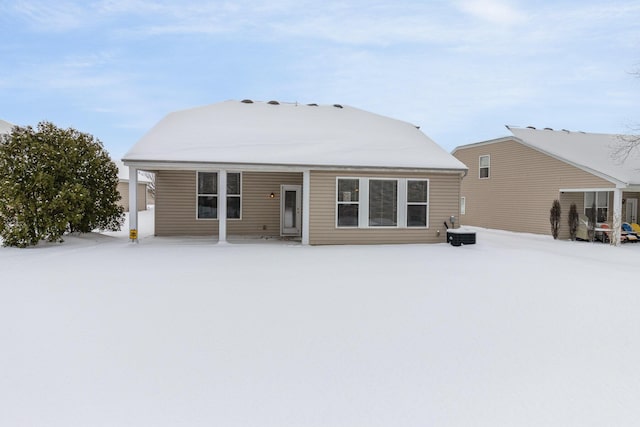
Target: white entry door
x=290 y=210
x=632 y=210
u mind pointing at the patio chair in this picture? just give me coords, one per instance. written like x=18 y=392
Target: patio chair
x=628 y=232
x=635 y=227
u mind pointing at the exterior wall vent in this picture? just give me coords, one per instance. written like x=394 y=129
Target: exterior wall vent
x=273 y=103
x=247 y=101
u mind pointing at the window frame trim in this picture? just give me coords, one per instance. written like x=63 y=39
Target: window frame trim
x=217 y=194
x=401 y=201
x=338 y=202
x=426 y=204
x=488 y=167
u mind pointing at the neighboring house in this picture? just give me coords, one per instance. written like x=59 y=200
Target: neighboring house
x=5 y=127
x=142 y=193
x=512 y=181
x=326 y=174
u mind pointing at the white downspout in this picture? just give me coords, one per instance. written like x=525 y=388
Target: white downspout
x=306 y=199
x=133 y=204
x=222 y=207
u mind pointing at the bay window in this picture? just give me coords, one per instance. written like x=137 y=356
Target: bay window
x=382 y=202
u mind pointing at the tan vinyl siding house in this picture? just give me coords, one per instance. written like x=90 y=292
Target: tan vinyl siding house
x=5 y=127
x=524 y=177
x=286 y=168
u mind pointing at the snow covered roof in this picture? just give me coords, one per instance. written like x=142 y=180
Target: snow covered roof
x=289 y=134
x=5 y=127
x=589 y=151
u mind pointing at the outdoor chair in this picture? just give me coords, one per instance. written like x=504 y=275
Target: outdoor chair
x=628 y=232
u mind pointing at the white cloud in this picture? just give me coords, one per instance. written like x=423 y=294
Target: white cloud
x=494 y=11
x=58 y=16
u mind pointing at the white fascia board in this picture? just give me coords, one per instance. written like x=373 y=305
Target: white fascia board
x=585 y=190
x=168 y=165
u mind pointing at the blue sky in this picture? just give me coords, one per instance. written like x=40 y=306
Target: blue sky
x=461 y=70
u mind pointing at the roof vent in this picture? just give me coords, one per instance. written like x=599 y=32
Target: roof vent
x=531 y=127
x=273 y=103
x=548 y=129
x=337 y=105
x=566 y=130
x=312 y=105
x=247 y=101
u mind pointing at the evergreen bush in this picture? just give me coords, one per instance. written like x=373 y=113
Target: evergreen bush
x=54 y=181
x=573 y=221
x=554 y=218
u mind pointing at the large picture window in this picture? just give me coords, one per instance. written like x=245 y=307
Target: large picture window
x=382 y=202
x=598 y=200
x=485 y=164
x=208 y=195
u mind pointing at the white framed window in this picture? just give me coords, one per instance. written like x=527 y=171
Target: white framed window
x=484 y=166
x=417 y=203
x=382 y=202
x=463 y=205
x=348 y=200
x=207 y=195
x=598 y=200
x=234 y=195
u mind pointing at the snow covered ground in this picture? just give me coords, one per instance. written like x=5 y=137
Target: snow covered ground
x=515 y=330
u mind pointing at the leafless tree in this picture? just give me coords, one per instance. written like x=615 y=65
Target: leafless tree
x=151 y=185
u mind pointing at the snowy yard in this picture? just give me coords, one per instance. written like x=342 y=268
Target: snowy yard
x=516 y=330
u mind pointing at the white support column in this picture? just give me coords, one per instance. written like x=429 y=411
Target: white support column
x=617 y=217
x=222 y=207
x=306 y=199
x=133 y=204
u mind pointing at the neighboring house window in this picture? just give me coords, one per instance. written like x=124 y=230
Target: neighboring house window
x=208 y=195
x=463 y=205
x=348 y=202
x=381 y=202
x=485 y=163
x=417 y=203
x=599 y=199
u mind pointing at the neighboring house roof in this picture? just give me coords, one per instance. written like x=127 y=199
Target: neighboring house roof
x=5 y=127
x=592 y=152
x=123 y=173
x=289 y=134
